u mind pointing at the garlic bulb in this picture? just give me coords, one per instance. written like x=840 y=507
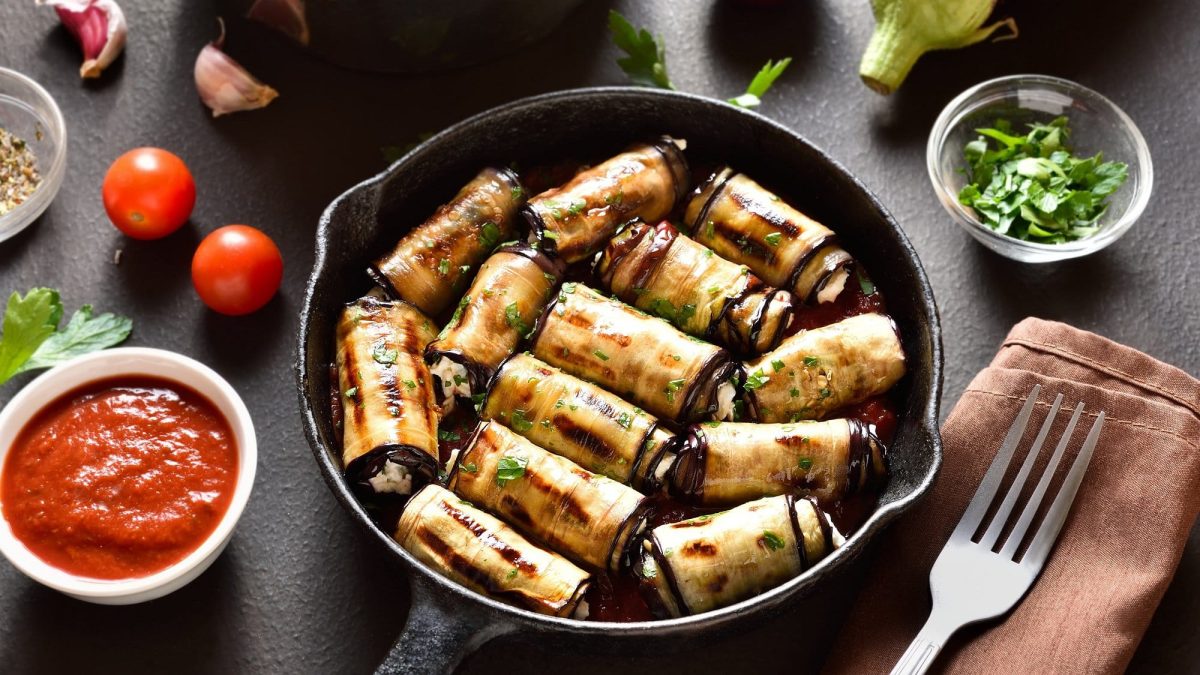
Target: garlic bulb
x=98 y=26
x=224 y=85
x=286 y=16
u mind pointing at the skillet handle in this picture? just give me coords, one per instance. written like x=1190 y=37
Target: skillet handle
x=440 y=633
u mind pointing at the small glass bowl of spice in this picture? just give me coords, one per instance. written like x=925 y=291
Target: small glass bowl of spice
x=33 y=151
x=1038 y=168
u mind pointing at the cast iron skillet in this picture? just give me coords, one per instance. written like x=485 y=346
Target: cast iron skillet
x=447 y=621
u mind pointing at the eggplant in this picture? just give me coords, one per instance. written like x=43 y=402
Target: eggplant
x=643 y=359
x=498 y=311
x=659 y=270
x=585 y=516
x=389 y=417
x=744 y=222
x=477 y=550
x=578 y=420
x=434 y=261
x=723 y=464
x=714 y=561
x=815 y=372
x=577 y=219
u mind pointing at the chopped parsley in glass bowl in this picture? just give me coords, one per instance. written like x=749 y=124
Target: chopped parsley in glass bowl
x=1039 y=168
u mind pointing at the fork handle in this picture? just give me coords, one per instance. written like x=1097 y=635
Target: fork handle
x=925 y=647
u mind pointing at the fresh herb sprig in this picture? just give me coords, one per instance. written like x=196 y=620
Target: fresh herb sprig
x=646 y=63
x=761 y=83
x=32 y=338
x=1033 y=188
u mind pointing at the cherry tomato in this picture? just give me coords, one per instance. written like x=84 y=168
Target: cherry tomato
x=237 y=269
x=148 y=193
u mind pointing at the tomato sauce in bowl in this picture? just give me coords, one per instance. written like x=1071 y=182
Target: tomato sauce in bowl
x=120 y=478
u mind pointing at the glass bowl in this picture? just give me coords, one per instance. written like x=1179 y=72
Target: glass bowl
x=29 y=112
x=1096 y=125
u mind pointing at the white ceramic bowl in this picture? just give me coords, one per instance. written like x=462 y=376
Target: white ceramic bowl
x=113 y=363
x=29 y=111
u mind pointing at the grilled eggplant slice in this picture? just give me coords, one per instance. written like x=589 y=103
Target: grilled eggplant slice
x=479 y=551
x=744 y=222
x=389 y=427
x=498 y=311
x=578 y=420
x=588 y=517
x=647 y=361
x=709 y=562
x=577 y=219
x=815 y=372
x=731 y=463
x=434 y=261
x=659 y=270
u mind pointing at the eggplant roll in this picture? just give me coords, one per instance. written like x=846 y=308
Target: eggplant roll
x=577 y=219
x=578 y=420
x=815 y=372
x=744 y=222
x=477 y=550
x=585 y=516
x=437 y=258
x=722 y=464
x=646 y=360
x=659 y=270
x=714 y=561
x=389 y=417
x=498 y=311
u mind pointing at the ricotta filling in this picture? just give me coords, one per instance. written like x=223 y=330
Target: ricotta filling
x=837 y=537
x=726 y=392
x=394 y=478
x=454 y=382
x=833 y=288
x=581 y=610
x=664 y=466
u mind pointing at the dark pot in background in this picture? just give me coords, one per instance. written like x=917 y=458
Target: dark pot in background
x=410 y=36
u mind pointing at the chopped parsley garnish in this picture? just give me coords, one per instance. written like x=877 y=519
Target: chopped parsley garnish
x=825 y=393
x=676 y=357
x=454 y=318
x=520 y=422
x=1033 y=188
x=755 y=380
x=794 y=392
x=712 y=423
x=615 y=199
x=762 y=81
x=351 y=392
x=576 y=208
x=383 y=355
x=469 y=467
x=811 y=361
x=867 y=286
x=805 y=463
x=649 y=569
x=646 y=61
x=777 y=365
x=545 y=423
x=569 y=287
x=510 y=468
x=512 y=316
x=600 y=355
x=774 y=541
x=686 y=312
x=459 y=379
x=477 y=400
x=673 y=388
x=410 y=384
x=625 y=420
x=512 y=574
x=774 y=238
x=444 y=267
x=450 y=436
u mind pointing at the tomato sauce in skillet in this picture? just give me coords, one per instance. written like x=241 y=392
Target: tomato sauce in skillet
x=120 y=478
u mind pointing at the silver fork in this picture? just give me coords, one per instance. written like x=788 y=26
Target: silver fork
x=969 y=582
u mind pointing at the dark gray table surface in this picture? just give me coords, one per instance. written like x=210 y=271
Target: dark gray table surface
x=300 y=588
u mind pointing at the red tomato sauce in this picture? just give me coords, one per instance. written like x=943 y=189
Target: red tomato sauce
x=120 y=478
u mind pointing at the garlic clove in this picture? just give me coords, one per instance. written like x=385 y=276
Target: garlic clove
x=98 y=26
x=224 y=85
x=286 y=16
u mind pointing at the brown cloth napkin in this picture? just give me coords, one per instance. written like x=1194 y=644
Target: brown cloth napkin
x=1121 y=543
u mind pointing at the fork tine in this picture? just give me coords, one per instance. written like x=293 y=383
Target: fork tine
x=1014 y=490
x=1035 y=500
x=1047 y=534
x=990 y=484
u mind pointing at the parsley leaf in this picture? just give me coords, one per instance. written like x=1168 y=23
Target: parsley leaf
x=761 y=83
x=774 y=541
x=520 y=422
x=31 y=339
x=755 y=380
x=510 y=468
x=512 y=315
x=646 y=61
